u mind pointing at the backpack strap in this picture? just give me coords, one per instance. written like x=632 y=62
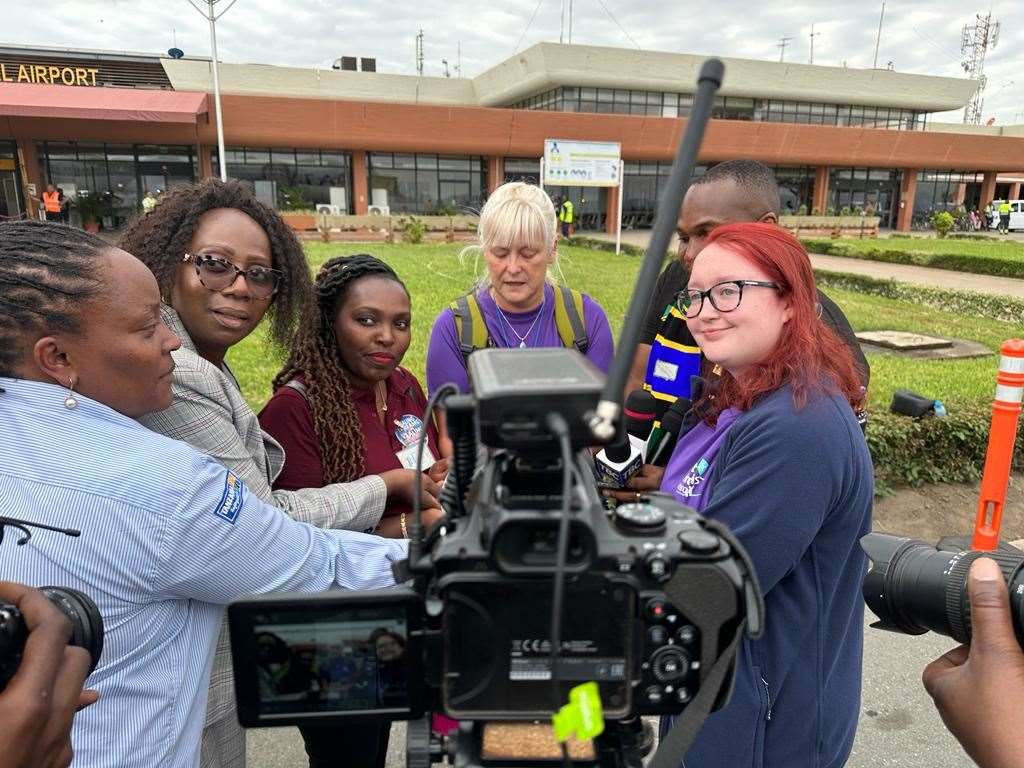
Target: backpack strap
x=469 y=325
x=569 y=318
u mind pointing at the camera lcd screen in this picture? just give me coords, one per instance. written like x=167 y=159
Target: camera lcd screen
x=320 y=659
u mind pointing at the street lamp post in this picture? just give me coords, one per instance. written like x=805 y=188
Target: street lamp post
x=207 y=10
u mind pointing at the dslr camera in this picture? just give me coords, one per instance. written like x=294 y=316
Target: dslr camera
x=647 y=598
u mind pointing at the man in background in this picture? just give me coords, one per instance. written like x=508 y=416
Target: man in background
x=736 y=190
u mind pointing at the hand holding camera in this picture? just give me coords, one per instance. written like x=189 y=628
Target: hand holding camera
x=978 y=688
x=38 y=703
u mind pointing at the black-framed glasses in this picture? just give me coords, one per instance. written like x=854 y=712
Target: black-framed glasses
x=216 y=274
x=725 y=296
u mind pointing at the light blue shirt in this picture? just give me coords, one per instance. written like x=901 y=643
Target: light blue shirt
x=169 y=537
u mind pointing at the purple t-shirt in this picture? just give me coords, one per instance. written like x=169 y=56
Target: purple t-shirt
x=444 y=357
x=688 y=472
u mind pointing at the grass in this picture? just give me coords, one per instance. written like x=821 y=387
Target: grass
x=990 y=257
x=435 y=277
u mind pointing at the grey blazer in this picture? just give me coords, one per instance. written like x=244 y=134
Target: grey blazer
x=209 y=413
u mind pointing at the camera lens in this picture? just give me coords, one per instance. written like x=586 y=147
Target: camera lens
x=912 y=587
x=86 y=629
x=86 y=622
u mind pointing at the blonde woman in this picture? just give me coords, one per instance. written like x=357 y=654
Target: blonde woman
x=518 y=304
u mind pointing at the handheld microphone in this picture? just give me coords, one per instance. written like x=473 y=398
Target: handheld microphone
x=640 y=412
x=673 y=424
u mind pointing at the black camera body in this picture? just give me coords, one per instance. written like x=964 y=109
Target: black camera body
x=653 y=592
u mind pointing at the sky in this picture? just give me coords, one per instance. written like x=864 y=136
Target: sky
x=918 y=36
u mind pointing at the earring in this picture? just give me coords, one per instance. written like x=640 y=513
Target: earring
x=69 y=402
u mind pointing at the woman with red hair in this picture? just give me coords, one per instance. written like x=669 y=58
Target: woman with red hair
x=778 y=456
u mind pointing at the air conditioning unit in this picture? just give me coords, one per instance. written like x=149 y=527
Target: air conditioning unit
x=379 y=210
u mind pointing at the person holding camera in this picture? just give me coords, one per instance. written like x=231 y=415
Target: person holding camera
x=169 y=536
x=519 y=304
x=779 y=458
x=38 y=704
x=978 y=688
x=343 y=407
x=224 y=262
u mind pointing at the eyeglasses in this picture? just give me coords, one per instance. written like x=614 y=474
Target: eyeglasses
x=725 y=297
x=216 y=274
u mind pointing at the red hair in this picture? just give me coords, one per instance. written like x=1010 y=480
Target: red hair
x=809 y=357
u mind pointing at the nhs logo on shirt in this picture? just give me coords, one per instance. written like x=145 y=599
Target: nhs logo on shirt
x=230 y=503
x=690 y=485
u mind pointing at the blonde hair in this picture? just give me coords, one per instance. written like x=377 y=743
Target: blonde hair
x=516 y=212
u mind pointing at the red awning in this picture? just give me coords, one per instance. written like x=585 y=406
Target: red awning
x=84 y=103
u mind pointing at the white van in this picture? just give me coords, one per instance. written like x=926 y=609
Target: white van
x=1016 y=214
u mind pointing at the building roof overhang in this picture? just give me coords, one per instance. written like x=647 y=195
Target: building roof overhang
x=73 y=102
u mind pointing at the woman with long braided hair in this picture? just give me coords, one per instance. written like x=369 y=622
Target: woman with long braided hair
x=223 y=261
x=343 y=406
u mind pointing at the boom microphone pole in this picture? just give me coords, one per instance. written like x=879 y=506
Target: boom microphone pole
x=604 y=422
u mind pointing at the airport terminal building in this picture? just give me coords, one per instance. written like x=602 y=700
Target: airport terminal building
x=123 y=125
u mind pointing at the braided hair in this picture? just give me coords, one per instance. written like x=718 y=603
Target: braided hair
x=161 y=237
x=47 y=273
x=315 y=355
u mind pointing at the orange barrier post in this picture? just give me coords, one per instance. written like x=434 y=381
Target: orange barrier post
x=1001 y=437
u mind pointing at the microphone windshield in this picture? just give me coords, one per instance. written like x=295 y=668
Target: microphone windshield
x=618 y=452
x=639 y=411
x=672 y=421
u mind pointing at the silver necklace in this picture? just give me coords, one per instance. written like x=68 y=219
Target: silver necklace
x=522 y=339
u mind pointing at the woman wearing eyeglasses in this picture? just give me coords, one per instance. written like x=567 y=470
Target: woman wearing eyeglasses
x=224 y=262
x=779 y=458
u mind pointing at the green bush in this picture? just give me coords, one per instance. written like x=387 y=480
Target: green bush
x=931 y=449
x=942 y=222
x=1005 y=308
x=999 y=262
x=413 y=230
x=292 y=199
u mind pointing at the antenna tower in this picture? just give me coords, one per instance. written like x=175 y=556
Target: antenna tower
x=813 y=35
x=975 y=40
x=419 y=53
x=783 y=42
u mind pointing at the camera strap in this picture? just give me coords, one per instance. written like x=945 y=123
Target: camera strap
x=677 y=741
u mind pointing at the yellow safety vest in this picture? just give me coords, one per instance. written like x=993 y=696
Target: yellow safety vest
x=1004 y=208
x=565 y=212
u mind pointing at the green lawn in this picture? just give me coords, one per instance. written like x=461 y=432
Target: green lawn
x=989 y=257
x=435 y=276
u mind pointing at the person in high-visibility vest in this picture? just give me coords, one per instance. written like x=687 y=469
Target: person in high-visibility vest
x=565 y=216
x=1004 y=217
x=51 y=203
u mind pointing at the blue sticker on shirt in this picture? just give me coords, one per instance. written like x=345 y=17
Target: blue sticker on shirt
x=230 y=503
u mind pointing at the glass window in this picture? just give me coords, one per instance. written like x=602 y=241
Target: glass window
x=282 y=156
x=426 y=162
x=405 y=161
x=305 y=157
x=605 y=94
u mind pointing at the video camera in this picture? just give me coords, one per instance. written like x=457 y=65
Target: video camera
x=653 y=591
x=529 y=587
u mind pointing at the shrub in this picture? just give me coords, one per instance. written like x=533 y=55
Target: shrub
x=1005 y=308
x=802 y=210
x=942 y=222
x=904 y=252
x=292 y=199
x=413 y=230
x=931 y=449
